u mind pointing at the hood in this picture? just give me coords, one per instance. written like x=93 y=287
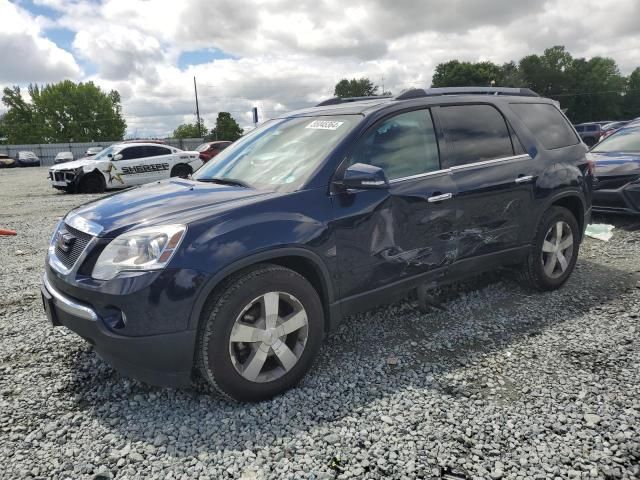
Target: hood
x=168 y=201
x=83 y=162
x=616 y=163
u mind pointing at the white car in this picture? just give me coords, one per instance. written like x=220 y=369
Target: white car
x=63 y=157
x=124 y=165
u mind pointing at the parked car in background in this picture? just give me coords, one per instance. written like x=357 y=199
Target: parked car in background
x=6 y=161
x=208 y=150
x=123 y=165
x=237 y=274
x=63 y=157
x=617 y=172
x=590 y=133
x=91 y=151
x=27 y=159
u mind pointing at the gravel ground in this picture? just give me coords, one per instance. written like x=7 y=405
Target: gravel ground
x=496 y=382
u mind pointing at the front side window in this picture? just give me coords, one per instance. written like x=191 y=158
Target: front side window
x=403 y=145
x=281 y=154
x=546 y=122
x=474 y=133
x=131 y=153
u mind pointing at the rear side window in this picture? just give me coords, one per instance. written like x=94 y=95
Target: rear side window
x=153 y=151
x=474 y=133
x=403 y=145
x=547 y=123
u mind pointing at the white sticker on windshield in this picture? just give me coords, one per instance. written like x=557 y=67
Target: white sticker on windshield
x=324 y=125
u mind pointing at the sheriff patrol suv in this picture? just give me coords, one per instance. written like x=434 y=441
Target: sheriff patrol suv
x=237 y=273
x=123 y=165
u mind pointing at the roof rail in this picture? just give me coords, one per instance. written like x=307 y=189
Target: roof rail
x=337 y=100
x=433 y=92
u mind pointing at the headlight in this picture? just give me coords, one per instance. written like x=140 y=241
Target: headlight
x=148 y=248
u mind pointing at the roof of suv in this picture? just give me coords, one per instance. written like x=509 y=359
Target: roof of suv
x=368 y=105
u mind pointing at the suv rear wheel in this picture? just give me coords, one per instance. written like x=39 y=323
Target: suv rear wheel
x=260 y=333
x=554 y=251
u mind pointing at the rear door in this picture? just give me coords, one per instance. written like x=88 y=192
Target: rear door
x=159 y=162
x=493 y=177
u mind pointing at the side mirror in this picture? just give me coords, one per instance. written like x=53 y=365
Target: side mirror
x=118 y=156
x=362 y=176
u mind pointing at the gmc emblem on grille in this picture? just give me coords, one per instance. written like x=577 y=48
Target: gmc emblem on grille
x=65 y=241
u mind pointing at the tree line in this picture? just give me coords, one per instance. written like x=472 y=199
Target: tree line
x=588 y=90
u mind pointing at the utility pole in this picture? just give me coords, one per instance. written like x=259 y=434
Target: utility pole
x=195 y=88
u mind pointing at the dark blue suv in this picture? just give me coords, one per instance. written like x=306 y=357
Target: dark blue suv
x=238 y=273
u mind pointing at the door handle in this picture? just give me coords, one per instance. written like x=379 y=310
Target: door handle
x=439 y=198
x=526 y=179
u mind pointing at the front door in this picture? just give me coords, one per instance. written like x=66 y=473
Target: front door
x=386 y=236
x=126 y=171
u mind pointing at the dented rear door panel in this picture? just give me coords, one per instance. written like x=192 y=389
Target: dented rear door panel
x=496 y=204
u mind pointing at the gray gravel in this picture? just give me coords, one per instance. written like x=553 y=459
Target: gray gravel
x=499 y=382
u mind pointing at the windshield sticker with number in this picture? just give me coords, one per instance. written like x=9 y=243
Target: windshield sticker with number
x=324 y=125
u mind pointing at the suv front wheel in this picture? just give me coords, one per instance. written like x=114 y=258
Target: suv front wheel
x=554 y=251
x=260 y=333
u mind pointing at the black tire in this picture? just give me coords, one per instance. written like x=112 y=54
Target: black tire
x=228 y=303
x=181 y=170
x=533 y=270
x=91 y=183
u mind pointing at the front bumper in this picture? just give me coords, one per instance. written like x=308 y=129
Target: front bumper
x=164 y=359
x=625 y=199
x=64 y=179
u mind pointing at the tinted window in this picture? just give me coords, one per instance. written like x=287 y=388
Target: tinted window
x=474 y=133
x=547 y=123
x=153 y=151
x=579 y=128
x=402 y=146
x=130 y=153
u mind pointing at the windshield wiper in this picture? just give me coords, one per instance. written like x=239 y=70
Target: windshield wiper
x=225 y=181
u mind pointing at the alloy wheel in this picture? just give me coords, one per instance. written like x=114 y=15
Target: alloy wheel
x=268 y=337
x=557 y=249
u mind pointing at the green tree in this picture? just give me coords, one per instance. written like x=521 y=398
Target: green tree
x=190 y=130
x=466 y=74
x=362 y=87
x=631 y=102
x=226 y=128
x=63 y=112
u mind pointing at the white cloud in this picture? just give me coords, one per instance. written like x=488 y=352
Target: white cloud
x=26 y=54
x=289 y=54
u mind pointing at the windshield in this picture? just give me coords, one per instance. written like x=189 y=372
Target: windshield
x=627 y=140
x=202 y=147
x=281 y=154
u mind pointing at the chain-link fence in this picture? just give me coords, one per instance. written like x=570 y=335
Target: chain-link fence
x=47 y=152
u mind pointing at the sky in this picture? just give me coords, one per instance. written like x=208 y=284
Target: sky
x=280 y=55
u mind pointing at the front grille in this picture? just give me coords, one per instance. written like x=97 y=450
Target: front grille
x=77 y=246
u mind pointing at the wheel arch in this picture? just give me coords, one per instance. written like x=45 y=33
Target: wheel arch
x=573 y=202
x=178 y=165
x=300 y=260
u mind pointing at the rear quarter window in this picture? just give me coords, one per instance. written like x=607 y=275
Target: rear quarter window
x=546 y=122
